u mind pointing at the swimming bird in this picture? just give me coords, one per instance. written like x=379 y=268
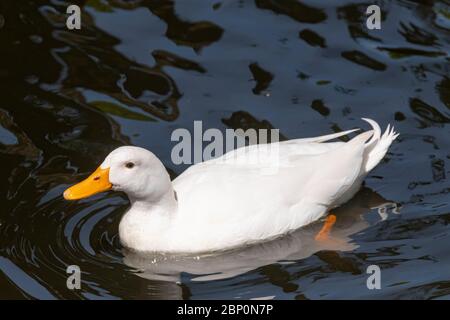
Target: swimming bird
x=228 y=202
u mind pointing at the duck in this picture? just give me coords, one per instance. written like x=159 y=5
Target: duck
x=225 y=202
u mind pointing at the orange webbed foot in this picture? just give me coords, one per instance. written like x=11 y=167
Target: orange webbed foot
x=324 y=233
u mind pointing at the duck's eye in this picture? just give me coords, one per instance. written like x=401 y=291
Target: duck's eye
x=129 y=165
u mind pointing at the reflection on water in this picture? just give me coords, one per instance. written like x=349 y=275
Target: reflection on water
x=139 y=69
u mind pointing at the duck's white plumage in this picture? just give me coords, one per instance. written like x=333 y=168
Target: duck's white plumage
x=229 y=202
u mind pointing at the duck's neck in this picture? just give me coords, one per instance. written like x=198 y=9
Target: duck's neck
x=166 y=204
x=147 y=224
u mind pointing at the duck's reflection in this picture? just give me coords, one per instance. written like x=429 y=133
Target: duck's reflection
x=297 y=245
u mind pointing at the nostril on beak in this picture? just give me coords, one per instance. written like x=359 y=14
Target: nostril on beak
x=96 y=178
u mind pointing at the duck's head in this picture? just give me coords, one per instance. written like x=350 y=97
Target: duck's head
x=136 y=171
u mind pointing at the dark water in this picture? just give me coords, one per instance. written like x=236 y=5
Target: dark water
x=137 y=70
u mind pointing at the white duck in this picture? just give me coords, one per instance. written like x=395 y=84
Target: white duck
x=225 y=203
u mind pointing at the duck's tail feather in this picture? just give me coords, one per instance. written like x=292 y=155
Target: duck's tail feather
x=378 y=145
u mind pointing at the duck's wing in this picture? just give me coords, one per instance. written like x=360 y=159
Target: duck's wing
x=266 y=154
x=242 y=201
x=315 y=178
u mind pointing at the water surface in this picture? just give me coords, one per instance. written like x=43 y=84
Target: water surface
x=137 y=70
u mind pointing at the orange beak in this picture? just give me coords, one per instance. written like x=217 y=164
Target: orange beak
x=95 y=183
